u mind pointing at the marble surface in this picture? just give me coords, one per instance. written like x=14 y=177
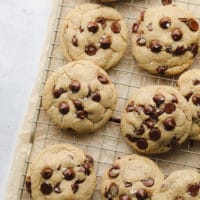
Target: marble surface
x=23 y=27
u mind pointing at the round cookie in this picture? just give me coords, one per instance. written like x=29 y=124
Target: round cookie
x=165 y=40
x=61 y=172
x=189 y=85
x=156 y=119
x=95 y=33
x=131 y=178
x=80 y=96
x=180 y=185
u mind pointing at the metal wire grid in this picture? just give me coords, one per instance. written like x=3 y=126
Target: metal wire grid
x=105 y=146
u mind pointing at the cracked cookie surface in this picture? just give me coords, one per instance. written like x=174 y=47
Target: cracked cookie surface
x=95 y=33
x=131 y=178
x=180 y=185
x=165 y=40
x=156 y=119
x=79 y=96
x=189 y=85
x=61 y=172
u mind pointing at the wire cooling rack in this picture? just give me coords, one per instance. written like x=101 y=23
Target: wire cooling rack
x=106 y=145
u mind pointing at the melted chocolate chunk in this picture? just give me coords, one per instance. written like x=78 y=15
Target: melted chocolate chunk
x=196 y=82
x=166 y=2
x=127 y=184
x=89 y=91
x=90 y=49
x=75 y=86
x=63 y=108
x=47 y=173
x=169 y=108
x=93 y=27
x=150 y=123
x=165 y=22
x=116 y=120
x=81 y=114
x=188 y=96
x=194 y=49
x=78 y=104
x=89 y=161
x=148 y=182
x=139 y=131
x=135 y=27
x=81 y=29
x=114 y=171
x=156 y=114
x=96 y=96
x=196 y=99
x=169 y=123
x=150 y=27
x=154 y=134
x=158 y=99
x=58 y=92
x=142 y=143
x=183 y=19
x=148 y=110
x=112 y=191
x=141 y=194
x=193 y=189
x=168 y=49
x=124 y=197
x=161 y=70
x=131 y=138
x=193 y=24
x=69 y=174
x=105 y=42
x=174 y=99
x=28 y=184
x=177 y=34
x=46 y=188
x=75 y=187
x=116 y=27
x=141 y=41
x=155 y=46
x=139 y=109
x=130 y=107
x=102 y=79
x=101 y=21
x=75 y=41
x=180 y=50
x=173 y=143
x=57 y=188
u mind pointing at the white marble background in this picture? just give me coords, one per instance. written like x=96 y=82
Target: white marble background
x=23 y=25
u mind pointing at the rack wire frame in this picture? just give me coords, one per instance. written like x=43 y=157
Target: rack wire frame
x=110 y=145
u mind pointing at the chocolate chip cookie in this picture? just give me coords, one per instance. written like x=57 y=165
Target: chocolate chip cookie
x=61 y=172
x=180 y=185
x=79 y=96
x=165 y=40
x=131 y=178
x=189 y=85
x=95 y=33
x=156 y=119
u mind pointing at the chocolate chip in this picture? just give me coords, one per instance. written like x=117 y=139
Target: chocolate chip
x=142 y=15
x=140 y=131
x=89 y=161
x=169 y=123
x=75 y=86
x=183 y=19
x=166 y=2
x=81 y=114
x=101 y=21
x=165 y=22
x=173 y=143
x=193 y=189
x=75 y=187
x=135 y=27
x=58 y=92
x=96 y=96
x=113 y=190
x=148 y=182
x=28 y=184
x=196 y=99
x=179 y=198
x=141 y=41
x=180 y=50
x=124 y=197
x=46 y=188
x=114 y=171
x=81 y=29
x=177 y=34
x=105 y=42
x=89 y=91
x=161 y=70
x=78 y=104
x=150 y=123
x=47 y=173
x=155 y=46
x=102 y=79
x=169 y=108
x=188 y=96
x=90 y=49
x=139 y=109
x=127 y=184
x=59 y=167
x=158 y=99
x=194 y=49
x=116 y=27
x=148 y=110
x=130 y=107
x=93 y=27
x=141 y=194
x=131 y=138
x=57 y=188
x=69 y=174
x=64 y=108
x=174 y=99
x=196 y=82
x=193 y=25
x=156 y=114
x=154 y=134
x=75 y=41
x=142 y=143
x=116 y=120
x=150 y=27
x=168 y=49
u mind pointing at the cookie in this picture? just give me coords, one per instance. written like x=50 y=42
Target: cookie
x=180 y=185
x=189 y=85
x=156 y=119
x=165 y=40
x=79 y=96
x=131 y=178
x=95 y=33
x=61 y=172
